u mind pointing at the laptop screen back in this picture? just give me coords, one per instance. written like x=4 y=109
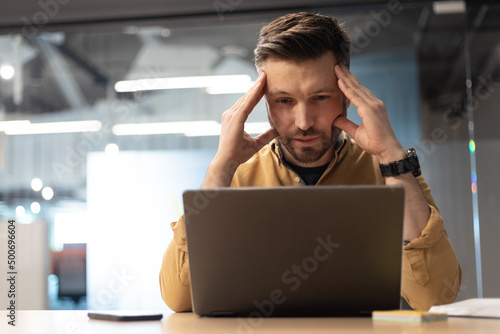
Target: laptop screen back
x=295 y=251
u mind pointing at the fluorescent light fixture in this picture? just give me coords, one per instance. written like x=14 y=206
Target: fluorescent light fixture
x=208 y=81
x=238 y=88
x=211 y=130
x=53 y=127
x=189 y=129
x=163 y=128
x=448 y=7
x=7 y=125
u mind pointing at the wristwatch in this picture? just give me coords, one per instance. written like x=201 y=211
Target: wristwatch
x=409 y=164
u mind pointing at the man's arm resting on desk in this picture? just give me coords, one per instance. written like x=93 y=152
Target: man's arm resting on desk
x=431 y=272
x=174 y=273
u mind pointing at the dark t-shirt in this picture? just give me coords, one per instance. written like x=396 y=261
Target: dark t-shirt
x=310 y=175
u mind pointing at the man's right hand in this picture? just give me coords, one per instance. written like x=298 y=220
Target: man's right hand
x=235 y=145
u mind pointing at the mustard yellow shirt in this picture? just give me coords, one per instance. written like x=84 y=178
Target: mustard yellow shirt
x=431 y=272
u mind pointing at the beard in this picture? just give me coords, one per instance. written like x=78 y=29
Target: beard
x=307 y=155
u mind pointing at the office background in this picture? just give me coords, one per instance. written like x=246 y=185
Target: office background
x=94 y=188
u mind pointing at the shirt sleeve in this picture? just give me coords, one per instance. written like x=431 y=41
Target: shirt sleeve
x=431 y=272
x=174 y=273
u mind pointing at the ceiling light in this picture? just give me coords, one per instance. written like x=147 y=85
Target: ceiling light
x=237 y=88
x=163 y=128
x=448 y=7
x=53 y=127
x=165 y=32
x=7 y=125
x=189 y=129
x=212 y=130
x=111 y=148
x=7 y=72
x=20 y=211
x=35 y=207
x=208 y=81
x=36 y=184
x=47 y=193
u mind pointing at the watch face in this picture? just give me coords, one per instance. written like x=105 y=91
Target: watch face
x=413 y=159
x=411 y=153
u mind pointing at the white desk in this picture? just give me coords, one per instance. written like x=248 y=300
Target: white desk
x=77 y=322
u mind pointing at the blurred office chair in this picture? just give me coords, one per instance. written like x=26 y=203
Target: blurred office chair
x=70 y=266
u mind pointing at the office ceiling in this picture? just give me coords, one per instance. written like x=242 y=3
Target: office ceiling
x=439 y=40
x=15 y=13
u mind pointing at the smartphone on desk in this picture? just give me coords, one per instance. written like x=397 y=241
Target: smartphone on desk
x=124 y=316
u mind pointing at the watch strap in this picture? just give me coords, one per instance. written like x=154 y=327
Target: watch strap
x=403 y=166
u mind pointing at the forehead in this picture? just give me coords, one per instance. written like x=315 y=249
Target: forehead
x=302 y=77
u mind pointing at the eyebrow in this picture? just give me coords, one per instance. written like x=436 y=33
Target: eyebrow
x=322 y=90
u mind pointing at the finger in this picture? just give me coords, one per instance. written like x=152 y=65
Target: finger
x=354 y=95
x=350 y=81
x=266 y=137
x=250 y=90
x=244 y=107
x=347 y=125
x=352 y=91
x=343 y=72
x=255 y=94
x=353 y=83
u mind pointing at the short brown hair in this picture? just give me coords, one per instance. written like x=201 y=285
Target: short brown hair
x=300 y=37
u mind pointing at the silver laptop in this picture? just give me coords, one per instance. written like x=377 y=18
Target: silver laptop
x=295 y=251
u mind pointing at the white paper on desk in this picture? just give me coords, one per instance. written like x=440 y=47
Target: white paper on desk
x=476 y=307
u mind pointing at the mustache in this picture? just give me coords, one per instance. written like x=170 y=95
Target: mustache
x=304 y=133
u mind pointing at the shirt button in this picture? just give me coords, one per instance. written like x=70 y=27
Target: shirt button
x=297 y=179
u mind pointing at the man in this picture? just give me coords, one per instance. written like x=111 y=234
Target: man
x=303 y=62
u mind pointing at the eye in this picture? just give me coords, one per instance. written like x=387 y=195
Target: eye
x=321 y=97
x=283 y=100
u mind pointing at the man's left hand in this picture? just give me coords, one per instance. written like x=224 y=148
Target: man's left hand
x=375 y=134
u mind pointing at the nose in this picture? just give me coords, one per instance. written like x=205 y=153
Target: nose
x=303 y=117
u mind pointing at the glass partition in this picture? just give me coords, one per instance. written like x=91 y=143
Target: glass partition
x=483 y=83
